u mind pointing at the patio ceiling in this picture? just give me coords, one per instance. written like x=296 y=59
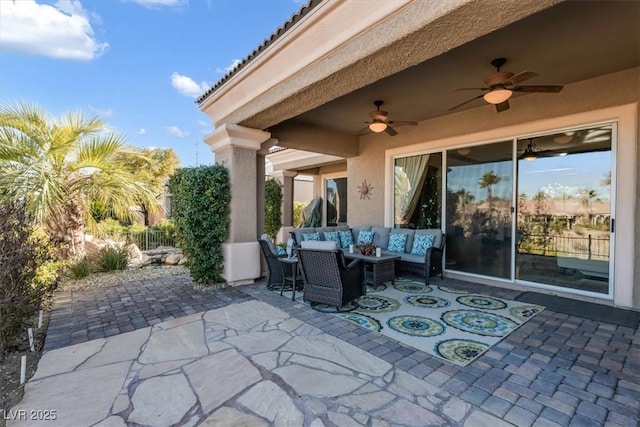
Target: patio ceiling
x=567 y=43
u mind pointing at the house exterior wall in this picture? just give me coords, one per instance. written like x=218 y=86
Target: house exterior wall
x=605 y=91
x=579 y=101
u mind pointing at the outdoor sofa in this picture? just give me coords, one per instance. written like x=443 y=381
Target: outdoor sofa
x=425 y=263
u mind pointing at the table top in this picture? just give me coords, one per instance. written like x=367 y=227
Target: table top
x=287 y=260
x=371 y=258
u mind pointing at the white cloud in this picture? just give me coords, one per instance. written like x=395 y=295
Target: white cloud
x=101 y=112
x=60 y=31
x=176 y=131
x=142 y=131
x=187 y=86
x=228 y=69
x=157 y=3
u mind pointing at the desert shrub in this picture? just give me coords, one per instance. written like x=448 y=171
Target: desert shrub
x=113 y=258
x=80 y=269
x=111 y=227
x=200 y=209
x=272 y=208
x=166 y=226
x=21 y=255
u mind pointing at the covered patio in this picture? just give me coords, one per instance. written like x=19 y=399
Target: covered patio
x=310 y=87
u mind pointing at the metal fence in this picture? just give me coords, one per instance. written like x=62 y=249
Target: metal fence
x=586 y=247
x=146 y=240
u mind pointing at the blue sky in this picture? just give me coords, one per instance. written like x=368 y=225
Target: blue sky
x=136 y=64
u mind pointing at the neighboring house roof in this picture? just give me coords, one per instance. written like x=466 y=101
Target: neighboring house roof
x=304 y=10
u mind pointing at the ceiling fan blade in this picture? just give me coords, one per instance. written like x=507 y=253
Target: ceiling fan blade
x=390 y=131
x=466 y=102
x=364 y=131
x=520 y=77
x=472 y=88
x=541 y=88
x=503 y=106
x=403 y=123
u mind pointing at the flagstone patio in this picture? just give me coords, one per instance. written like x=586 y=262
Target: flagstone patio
x=263 y=360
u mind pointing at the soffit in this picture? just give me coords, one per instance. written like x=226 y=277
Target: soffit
x=567 y=43
x=341 y=46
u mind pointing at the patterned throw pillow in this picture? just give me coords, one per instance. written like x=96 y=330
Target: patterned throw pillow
x=397 y=242
x=421 y=242
x=332 y=236
x=365 y=237
x=311 y=236
x=281 y=250
x=346 y=239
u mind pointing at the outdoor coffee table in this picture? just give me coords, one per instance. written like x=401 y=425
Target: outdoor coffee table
x=377 y=270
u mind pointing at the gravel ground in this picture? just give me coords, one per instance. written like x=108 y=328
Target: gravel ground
x=10 y=389
x=114 y=278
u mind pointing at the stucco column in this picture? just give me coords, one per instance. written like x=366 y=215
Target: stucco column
x=236 y=148
x=260 y=176
x=286 y=180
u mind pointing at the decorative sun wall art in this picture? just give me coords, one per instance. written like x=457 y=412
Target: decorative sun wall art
x=365 y=190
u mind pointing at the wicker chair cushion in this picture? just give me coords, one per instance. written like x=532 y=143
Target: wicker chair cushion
x=319 y=244
x=272 y=247
x=421 y=242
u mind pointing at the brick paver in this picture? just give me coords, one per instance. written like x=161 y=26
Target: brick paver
x=554 y=370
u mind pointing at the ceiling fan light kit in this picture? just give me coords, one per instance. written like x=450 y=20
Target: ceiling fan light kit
x=378 y=127
x=497 y=96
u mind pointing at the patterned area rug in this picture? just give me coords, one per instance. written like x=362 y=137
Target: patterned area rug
x=449 y=323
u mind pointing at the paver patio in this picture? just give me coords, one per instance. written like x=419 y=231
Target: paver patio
x=269 y=361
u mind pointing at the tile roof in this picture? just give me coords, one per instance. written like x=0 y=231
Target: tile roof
x=304 y=10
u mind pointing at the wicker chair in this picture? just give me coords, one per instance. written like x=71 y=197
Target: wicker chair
x=276 y=268
x=328 y=279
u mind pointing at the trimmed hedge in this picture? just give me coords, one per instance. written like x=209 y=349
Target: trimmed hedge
x=272 y=208
x=200 y=211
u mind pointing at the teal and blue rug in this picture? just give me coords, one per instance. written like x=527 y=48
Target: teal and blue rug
x=449 y=323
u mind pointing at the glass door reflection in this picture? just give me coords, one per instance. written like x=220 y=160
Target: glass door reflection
x=564 y=209
x=479 y=209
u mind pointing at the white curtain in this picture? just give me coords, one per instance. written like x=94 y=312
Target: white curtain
x=408 y=187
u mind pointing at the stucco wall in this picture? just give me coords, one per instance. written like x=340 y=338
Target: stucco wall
x=605 y=91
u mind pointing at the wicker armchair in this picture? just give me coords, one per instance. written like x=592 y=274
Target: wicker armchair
x=328 y=279
x=276 y=268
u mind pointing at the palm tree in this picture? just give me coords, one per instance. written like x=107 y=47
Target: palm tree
x=60 y=167
x=487 y=181
x=586 y=196
x=465 y=198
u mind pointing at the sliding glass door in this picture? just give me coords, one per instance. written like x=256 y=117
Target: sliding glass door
x=564 y=209
x=479 y=209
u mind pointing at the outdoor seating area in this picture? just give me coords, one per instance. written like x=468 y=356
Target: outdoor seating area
x=419 y=251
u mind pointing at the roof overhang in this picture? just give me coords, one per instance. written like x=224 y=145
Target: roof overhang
x=341 y=46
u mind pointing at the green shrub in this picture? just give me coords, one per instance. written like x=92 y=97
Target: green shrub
x=200 y=209
x=167 y=226
x=298 y=207
x=112 y=227
x=21 y=255
x=111 y=258
x=272 y=208
x=80 y=269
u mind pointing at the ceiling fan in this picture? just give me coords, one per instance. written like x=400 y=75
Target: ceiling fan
x=380 y=121
x=531 y=152
x=502 y=84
